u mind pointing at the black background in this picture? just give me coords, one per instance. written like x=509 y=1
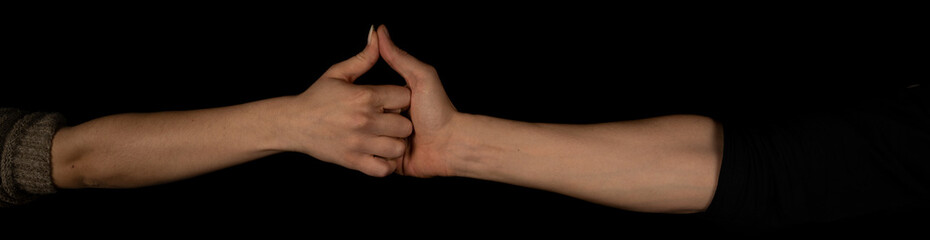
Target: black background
x=538 y=65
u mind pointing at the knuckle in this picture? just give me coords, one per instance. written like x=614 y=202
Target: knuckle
x=377 y=171
x=427 y=71
x=358 y=121
x=360 y=57
x=398 y=149
x=384 y=172
x=356 y=144
x=332 y=68
x=365 y=95
x=335 y=71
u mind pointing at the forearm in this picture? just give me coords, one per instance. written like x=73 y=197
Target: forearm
x=141 y=149
x=666 y=164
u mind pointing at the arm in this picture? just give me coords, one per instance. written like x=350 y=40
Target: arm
x=334 y=121
x=666 y=164
x=130 y=150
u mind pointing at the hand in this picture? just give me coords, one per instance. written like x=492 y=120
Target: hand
x=431 y=112
x=354 y=126
x=668 y=164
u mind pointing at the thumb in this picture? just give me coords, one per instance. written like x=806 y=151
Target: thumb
x=416 y=73
x=429 y=104
x=354 y=67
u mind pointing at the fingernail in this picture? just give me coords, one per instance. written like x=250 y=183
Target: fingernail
x=370 y=30
x=386 y=33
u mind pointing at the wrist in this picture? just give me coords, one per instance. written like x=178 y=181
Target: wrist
x=470 y=151
x=263 y=121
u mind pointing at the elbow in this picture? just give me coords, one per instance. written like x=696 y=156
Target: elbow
x=83 y=171
x=93 y=173
x=79 y=173
x=89 y=176
x=75 y=165
x=66 y=158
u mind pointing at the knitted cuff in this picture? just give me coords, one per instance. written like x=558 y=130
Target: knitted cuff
x=26 y=157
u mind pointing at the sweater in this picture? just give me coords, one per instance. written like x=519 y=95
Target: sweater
x=25 y=155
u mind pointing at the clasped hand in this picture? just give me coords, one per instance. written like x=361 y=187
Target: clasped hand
x=360 y=127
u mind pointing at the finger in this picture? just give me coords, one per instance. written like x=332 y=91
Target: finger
x=400 y=162
x=387 y=147
x=392 y=96
x=414 y=71
x=374 y=166
x=354 y=67
x=392 y=125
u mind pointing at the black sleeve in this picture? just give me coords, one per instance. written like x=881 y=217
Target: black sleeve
x=824 y=166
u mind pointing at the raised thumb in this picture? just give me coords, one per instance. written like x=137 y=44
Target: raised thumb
x=354 y=67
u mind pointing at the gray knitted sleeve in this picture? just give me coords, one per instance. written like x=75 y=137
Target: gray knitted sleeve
x=25 y=155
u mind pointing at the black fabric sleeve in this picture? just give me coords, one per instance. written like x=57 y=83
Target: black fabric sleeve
x=820 y=167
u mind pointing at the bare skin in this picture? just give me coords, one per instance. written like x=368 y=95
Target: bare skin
x=334 y=120
x=667 y=164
